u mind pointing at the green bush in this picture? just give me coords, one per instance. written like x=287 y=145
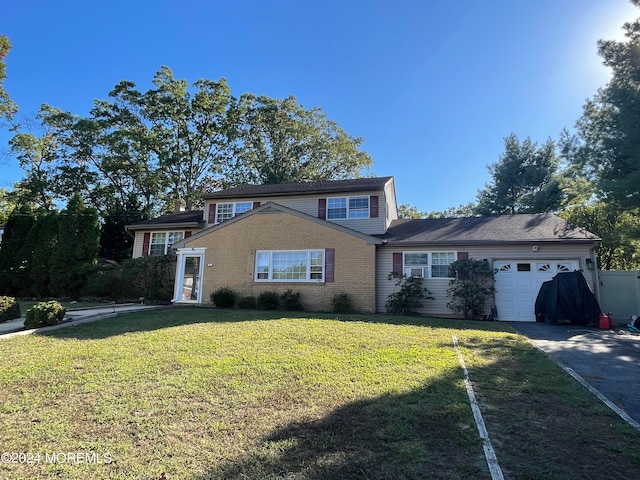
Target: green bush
x=268 y=301
x=224 y=298
x=150 y=277
x=341 y=303
x=9 y=309
x=248 y=302
x=472 y=286
x=409 y=297
x=291 y=301
x=44 y=314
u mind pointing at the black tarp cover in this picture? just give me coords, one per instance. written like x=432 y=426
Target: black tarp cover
x=567 y=298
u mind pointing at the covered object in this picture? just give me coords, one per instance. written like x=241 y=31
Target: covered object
x=567 y=298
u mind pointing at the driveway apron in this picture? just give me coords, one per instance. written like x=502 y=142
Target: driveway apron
x=608 y=360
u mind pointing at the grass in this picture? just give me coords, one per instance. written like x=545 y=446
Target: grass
x=203 y=394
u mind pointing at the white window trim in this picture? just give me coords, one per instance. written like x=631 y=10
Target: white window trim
x=347 y=217
x=233 y=209
x=270 y=278
x=406 y=269
x=167 y=245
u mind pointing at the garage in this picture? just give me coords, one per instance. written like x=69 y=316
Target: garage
x=518 y=282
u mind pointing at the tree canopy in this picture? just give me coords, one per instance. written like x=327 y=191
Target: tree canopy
x=606 y=145
x=7 y=107
x=524 y=180
x=279 y=141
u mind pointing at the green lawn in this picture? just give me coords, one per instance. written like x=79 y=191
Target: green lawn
x=204 y=393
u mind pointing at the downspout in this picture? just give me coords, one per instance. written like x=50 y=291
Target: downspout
x=594 y=262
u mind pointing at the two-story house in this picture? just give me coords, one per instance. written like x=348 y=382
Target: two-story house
x=330 y=237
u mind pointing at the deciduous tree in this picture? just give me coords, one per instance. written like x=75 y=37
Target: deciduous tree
x=279 y=141
x=7 y=107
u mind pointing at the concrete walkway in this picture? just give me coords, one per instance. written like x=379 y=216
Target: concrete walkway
x=74 y=317
x=607 y=360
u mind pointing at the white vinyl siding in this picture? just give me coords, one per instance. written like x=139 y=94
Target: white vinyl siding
x=438 y=286
x=309 y=205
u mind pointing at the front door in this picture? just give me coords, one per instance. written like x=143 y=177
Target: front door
x=188 y=285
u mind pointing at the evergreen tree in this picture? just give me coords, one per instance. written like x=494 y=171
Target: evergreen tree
x=15 y=252
x=524 y=180
x=76 y=249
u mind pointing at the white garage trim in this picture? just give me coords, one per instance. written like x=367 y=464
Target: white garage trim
x=518 y=282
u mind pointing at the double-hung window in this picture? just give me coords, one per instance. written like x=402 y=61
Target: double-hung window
x=428 y=264
x=347 y=207
x=225 y=211
x=440 y=262
x=289 y=266
x=161 y=242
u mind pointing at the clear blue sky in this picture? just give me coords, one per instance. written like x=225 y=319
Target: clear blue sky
x=433 y=86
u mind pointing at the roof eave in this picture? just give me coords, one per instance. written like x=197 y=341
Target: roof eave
x=488 y=242
x=164 y=226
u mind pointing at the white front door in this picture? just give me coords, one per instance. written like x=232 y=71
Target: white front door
x=518 y=282
x=188 y=283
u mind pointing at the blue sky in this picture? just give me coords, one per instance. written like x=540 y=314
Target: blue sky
x=433 y=86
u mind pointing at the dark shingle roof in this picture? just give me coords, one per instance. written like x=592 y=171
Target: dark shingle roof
x=302 y=188
x=502 y=229
x=187 y=218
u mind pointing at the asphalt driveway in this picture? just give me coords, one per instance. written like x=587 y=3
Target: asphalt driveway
x=608 y=360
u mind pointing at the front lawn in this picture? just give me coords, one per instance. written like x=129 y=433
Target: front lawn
x=205 y=393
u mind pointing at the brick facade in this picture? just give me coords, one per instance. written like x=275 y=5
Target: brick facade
x=231 y=252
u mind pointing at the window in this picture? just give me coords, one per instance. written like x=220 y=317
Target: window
x=416 y=264
x=347 y=207
x=440 y=264
x=289 y=266
x=161 y=242
x=225 y=211
x=428 y=264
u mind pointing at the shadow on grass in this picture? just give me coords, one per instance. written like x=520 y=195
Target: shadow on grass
x=425 y=433
x=536 y=430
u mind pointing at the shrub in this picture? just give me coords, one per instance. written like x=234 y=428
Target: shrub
x=291 y=301
x=224 y=297
x=409 y=297
x=150 y=277
x=268 y=301
x=44 y=314
x=342 y=303
x=248 y=302
x=471 y=287
x=9 y=309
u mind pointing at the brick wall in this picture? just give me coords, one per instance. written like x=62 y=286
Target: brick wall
x=231 y=251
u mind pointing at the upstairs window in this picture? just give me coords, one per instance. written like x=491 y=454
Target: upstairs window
x=340 y=208
x=161 y=242
x=225 y=211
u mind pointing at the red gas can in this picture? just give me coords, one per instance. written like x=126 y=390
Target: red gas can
x=604 y=321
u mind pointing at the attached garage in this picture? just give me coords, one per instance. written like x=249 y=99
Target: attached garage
x=517 y=284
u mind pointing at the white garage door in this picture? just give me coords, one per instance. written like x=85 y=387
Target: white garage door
x=518 y=283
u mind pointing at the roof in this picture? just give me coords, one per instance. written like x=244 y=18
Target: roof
x=520 y=228
x=183 y=219
x=302 y=188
